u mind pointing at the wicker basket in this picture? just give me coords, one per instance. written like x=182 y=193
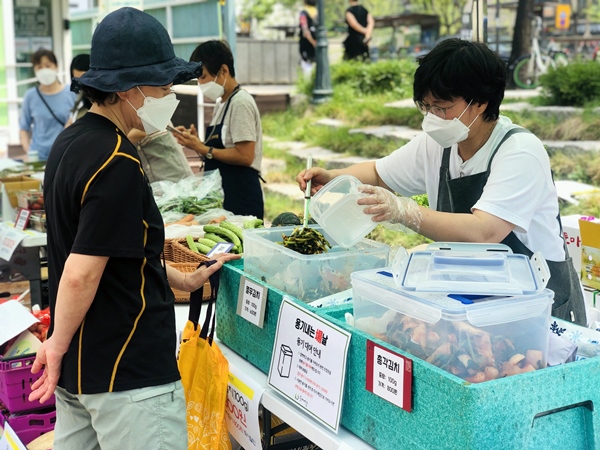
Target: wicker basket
x=182 y=296
x=168 y=250
x=181 y=253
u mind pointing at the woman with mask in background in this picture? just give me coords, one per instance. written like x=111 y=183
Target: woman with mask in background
x=233 y=142
x=487 y=179
x=46 y=108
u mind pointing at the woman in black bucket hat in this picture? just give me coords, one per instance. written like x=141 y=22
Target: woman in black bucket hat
x=110 y=358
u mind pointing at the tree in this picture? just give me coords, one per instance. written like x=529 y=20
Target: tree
x=334 y=9
x=522 y=35
x=449 y=11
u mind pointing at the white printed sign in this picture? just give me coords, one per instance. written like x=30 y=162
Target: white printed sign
x=241 y=410
x=389 y=375
x=252 y=301
x=10 y=440
x=9 y=241
x=308 y=365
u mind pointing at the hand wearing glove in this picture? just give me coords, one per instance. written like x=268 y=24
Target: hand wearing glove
x=385 y=206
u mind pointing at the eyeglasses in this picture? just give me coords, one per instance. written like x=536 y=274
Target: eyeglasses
x=435 y=110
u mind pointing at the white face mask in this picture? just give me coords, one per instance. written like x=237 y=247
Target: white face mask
x=446 y=132
x=46 y=76
x=213 y=90
x=156 y=112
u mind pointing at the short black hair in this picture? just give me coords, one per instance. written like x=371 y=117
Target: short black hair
x=213 y=54
x=459 y=68
x=80 y=62
x=99 y=97
x=36 y=58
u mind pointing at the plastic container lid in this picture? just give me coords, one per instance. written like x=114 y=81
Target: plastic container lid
x=470 y=272
x=377 y=286
x=334 y=207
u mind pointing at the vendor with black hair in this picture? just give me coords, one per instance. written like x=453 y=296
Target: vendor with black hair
x=487 y=179
x=233 y=142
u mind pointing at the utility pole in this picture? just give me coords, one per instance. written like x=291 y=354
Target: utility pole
x=322 y=91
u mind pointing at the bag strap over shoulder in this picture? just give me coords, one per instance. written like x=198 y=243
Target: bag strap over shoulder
x=208 y=328
x=48 y=106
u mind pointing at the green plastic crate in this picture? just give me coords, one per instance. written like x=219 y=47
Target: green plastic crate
x=550 y=408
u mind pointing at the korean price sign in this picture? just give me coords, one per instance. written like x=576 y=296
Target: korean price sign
x=389 y=375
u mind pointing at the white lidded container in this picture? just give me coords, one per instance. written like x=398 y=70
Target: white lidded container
x=470 y=272
x=477 y=341
x=308 y=277
x=334 y=207
x=479 y=315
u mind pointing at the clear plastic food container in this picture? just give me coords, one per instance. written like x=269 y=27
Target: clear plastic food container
x=334 y=207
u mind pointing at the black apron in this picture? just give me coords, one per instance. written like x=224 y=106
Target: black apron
x=459 y=196
x=241 y=184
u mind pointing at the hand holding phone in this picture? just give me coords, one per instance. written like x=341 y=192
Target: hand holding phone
x=174 y=130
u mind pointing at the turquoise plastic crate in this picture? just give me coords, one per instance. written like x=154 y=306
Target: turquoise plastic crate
x=551 y=408
x=248 y=340
x=554 y=407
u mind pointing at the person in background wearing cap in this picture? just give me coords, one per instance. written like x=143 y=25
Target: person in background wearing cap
x=110 y=356
x=487 y=179
x=46 y=108
x=80 y=64
x=233 y=141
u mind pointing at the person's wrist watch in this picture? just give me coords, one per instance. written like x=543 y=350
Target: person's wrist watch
x=209 y=154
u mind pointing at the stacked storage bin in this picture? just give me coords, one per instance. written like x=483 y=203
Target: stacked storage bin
x=28 y=419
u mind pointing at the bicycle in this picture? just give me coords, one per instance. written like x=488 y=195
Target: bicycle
x=528 y=68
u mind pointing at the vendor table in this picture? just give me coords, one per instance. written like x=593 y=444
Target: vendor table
x=26 y=261
x=293 y=416
x=278 y=405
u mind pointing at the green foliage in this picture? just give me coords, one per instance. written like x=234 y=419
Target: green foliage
x=449 y=11
x=276 y=204
x=258 y=9
x=397 y=238
x=588 y=206
x=575 y=84
x=341 y=141
x=577 y=166
x=422 y=200
x=393 y=77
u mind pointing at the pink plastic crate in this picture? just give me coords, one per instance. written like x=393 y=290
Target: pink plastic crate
x=15 y=385
x=30 y=426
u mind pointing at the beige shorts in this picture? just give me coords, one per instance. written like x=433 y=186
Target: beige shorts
x=148 y=418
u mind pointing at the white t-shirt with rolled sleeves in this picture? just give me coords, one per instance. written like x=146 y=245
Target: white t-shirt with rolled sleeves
x=519 y=189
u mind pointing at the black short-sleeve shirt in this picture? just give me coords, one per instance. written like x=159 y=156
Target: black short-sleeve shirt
x=98 y=202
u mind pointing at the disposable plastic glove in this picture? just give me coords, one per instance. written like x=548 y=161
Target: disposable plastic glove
x=385 y=206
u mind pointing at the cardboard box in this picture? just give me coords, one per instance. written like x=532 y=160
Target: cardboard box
x=590 y=252
x=572 y=236
x=15 y=289
x=10 y=187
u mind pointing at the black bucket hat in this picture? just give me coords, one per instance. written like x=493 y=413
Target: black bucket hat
x=131 y=48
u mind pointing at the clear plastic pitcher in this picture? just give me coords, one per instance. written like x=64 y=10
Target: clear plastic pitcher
x=334 y=207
